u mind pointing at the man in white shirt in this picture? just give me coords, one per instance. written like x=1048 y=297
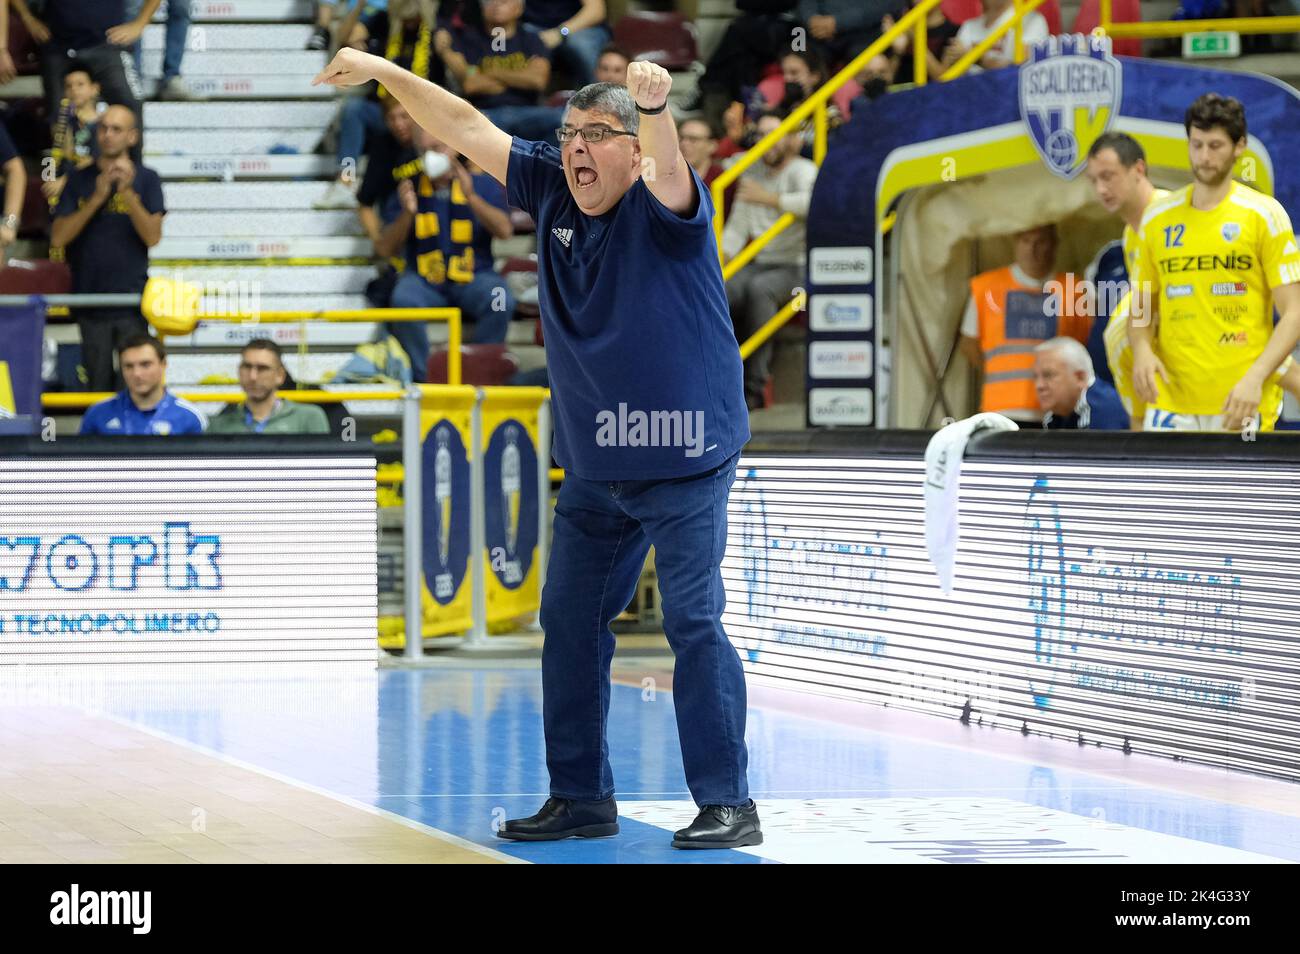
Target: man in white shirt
x=1003 y=53
x=781 y=182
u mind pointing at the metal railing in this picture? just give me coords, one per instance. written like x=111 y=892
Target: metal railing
x=1156 y=29
x=814 y=107
x=976 y=53
x=342 y=315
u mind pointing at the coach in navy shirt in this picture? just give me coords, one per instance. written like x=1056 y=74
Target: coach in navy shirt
x=146 y=407
x=650 y=417
x=1070 y=394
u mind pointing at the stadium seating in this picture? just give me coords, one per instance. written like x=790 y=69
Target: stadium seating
x=38 y=277
x=959 y=11
x=1122 y=11
x=667 y=39
x=482 y=365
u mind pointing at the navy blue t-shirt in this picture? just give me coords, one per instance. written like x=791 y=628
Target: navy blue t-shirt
x=1099 y=410
x=1110 y=273
x=79 y=24
x=109 y=255
x=646 y=378
x=548 y=14
x=476 y=47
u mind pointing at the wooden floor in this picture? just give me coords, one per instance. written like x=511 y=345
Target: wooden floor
x=77 y=788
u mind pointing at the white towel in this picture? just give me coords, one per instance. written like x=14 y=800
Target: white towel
x=942 y=485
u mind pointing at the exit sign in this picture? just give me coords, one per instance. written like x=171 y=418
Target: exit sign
x=1211 y=44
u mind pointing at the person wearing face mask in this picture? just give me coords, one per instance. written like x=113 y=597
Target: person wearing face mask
x=635 y=315
x=782 y=182
x=446 y=219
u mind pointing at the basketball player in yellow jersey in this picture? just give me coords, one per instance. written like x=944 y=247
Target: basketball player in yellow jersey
x=1212 y=259
x=1118 y=172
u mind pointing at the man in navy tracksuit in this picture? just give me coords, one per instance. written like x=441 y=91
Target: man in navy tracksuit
x=650 y=415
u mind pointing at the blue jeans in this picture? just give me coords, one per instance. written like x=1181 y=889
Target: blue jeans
x=178 y=25
x=580 y=52
x=603 y=530
x=534 y=123
x=478 y=300
x=361 y=118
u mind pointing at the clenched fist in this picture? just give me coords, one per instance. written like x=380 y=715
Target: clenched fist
x=649 y=84
x=349 y=68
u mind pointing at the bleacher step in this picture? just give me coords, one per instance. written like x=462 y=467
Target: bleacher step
x=181 y=142
x=210 y=38
x=239 y=247
x=257 y=224
x=234 y=115
x=228 y=11
x=272 y=280
x=225 y=166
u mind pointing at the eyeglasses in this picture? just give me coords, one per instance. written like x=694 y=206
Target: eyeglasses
x=589 y=133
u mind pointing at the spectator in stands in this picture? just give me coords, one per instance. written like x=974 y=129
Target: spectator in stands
x=975 y=30
x=782 y=182
x=75 y=142
x=94 y=34
x=36 y=29
x=448 y=218
x=1009 y=312
x=611 y=67
x=503 y=70
x=877 y=76
x=939 y=32
x=843 y=28
x=108 y=217
x=574 y=31
x=802 y=74
x=261 y=375
x=408 y=31
x=393 y=160
x=144 y=406
x=15 y=176
x=699 y=148
x=175 y=38
x=762 y=31
x=1070 y=394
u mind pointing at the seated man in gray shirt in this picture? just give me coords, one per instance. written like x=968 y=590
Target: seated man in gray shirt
x=261 y=374
x=779 y=183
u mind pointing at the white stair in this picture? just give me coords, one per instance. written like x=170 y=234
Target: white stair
x=205 y=38
x=239 y=64
x=229 y=168
x=194 y=249
x=228 y=115
x=230 y=11
x=277 y=281
x=180 y=142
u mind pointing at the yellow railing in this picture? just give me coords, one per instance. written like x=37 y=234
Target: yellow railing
x=1169 y=28
x=976 y=53
x=76 y=400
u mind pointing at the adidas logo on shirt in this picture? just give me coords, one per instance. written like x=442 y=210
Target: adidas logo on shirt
x=114 y=425
x=564 y=235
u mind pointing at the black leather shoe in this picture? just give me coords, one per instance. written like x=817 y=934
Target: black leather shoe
x=565 y=818
x=722 y=826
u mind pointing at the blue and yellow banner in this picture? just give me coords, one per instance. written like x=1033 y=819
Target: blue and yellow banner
x=511 y=501
x=446 y=419
x=22 y=332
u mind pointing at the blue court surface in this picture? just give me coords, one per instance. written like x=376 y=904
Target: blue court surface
x=460 y=748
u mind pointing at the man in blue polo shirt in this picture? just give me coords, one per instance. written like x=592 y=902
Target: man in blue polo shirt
x=649 y=420
x=1070 y=394
x=146 y=406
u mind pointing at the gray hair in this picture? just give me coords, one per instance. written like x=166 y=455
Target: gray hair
x=611 y=98
x=1075 y=355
